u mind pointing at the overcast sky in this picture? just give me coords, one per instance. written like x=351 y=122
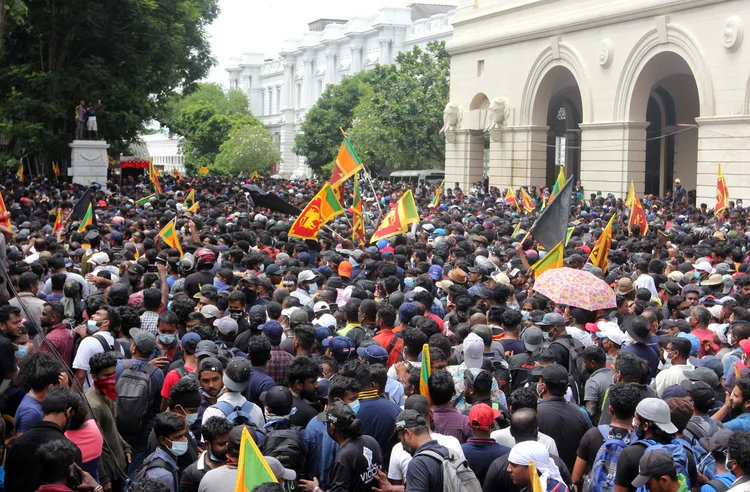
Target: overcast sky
x=260 y=26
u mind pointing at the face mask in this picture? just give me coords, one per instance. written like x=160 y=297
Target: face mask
x=22 y=351
x=235 y=314
x=166 y=339
x=107 y=386
x=313 y=288
x=179 y=447
x=525 y=315
x=730 y=339
x=220 y=285
x=191 y=418
x=513 y=305
x=92 y=326
x=409 y=282
x=545 y=335
x=214 y=458
x=726 y=463
x=538 y=392
x=169 y=306
x=640 y=432
x=354 y=406
x=262 y=268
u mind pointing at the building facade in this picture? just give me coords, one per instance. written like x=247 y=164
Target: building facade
x=164 y=150
x=282 y=90
x=616 y=91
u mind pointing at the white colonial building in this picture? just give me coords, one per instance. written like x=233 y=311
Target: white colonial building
x=614 y=90
x=283 y=89
x=164 y=150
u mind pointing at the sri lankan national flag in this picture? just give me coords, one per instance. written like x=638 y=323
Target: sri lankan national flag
x=631 y=196
x=722 y=194
x=510 y=199
x=347 y=164
x=438 y=195
x=638 y=216
x=544 y=203
x=397 y=220
x=255 y=175
x=153 y=175
x=144 y=200
x=553 y=259
x=322 y=208
x=526 y=201
x=194 y=207
x=58 y=221
x=559 y=183
x=169 y=236
x=600 y=254
x=190 y=196
x=424 y=373
x=358 y=225
x=252 y=467
x=88 y=218
x=569 y=234
x=19 y=173
x=56 y=169
x=83 y=210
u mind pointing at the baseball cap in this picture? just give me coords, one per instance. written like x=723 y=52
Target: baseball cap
x=699 y=391
x=695 y=343
x=273 y=331
x=190 y=336
x=278 y=469
x=555 y=373
x=670 y=287
x=345 y=269
x=703 y=374
x=612 y=332
x=338 y=414
x=339 y=345
x=237 y=374
x=552 y=319
x=374 y=354
x=226 y=325
x=533 y=338
x=480 y=290
x=718 y=443
x=145 y=341
x=210 y=364
x=657 y=411
x=136 y=269
x=327 y=320
x=207 y=291
x=321 y=333
x=408 y=419
x=321 y=307
x=305 y=276
x=99 y=259
x=210 y=311
x=206 y=347
x=298 y=317
x=435 y=272
x=473 y=351
x=273 y=269
x=482 y=416
x=656 y=463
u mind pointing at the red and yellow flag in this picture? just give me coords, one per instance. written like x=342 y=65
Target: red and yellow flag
x=3 y=209
x=510 y=199
x=722 y=194
x=358 y=222
x=600 y=254
x=322 y=208
x=424 y=373
x=559 y=183
x=19 y=173
x=397 y=220
x=169 y=236
x=638 y=217
x=526 y=201
x=58 y=221
x=56 y=169
x=153 y=175
x=553 y=259
x=631 y=196
x=438 y=195
x=252 y=467
x=347 y=164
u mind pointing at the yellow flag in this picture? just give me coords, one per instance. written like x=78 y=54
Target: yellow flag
x=631 y=196
x=600 y=253
x=536 y=483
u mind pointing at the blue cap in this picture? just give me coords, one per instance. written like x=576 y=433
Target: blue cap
x=436 y=272
x=273 y=269
x=407 y=311
x=325 y=270
x=479 y=290
x=322 y=332
x=116 y=236
x=339 y=345
x=374 y=354
x=272 y=329
x=382 y=243
x=190 y=336
x=322 y=389
x=439 y=232
x=695 y=343
x=304 y=258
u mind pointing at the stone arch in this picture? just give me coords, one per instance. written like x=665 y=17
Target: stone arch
x=631 y=97
x=480 y=101
x=538 y=88
x=747 y=97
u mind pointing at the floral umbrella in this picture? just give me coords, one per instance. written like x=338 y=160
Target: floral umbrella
x=576 y=288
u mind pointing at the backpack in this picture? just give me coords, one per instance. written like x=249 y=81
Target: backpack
x=576 y=367
x=604 y=468
x=152 y=462
x=284 y=442
x=116 y=348
x=133 y=394
x=236 y=415
x=699 y=454
x=226 y=354
x=719 y=485
x=457 y=476
x=675 y=449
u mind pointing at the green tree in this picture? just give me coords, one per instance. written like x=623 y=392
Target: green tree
x=249 y=148
x=133 y=55
x=205 y=119
x=321 y=135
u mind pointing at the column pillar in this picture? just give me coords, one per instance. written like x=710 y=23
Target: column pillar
x=612 y=155
x=383 y=58
x=288 y=102
x=518 y=156
x=307 y=81
x=464 y=157
x=357 y=44
x=724 y=139
x=330 y=78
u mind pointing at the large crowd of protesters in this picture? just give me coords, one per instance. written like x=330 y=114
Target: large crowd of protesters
x=130 y=365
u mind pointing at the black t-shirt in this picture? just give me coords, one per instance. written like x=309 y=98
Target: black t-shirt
x=515 y=346
x=356 y=466
x=195 y=281
x=498 y=478
x=304 y=414
x=627 y=466
x=425 y=473
x=644 y=391
x=593 y=440
x=7 y=357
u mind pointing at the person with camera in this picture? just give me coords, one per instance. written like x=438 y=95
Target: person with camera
x=59 y=471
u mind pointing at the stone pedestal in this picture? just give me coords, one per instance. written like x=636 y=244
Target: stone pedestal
x=464 y=158
x=89 y=161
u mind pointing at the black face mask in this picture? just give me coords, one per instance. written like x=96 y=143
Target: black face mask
x=640 y=432
x=235 y=314
x=250 y=296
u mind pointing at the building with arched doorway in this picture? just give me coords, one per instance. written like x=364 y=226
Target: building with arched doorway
x=615 y=91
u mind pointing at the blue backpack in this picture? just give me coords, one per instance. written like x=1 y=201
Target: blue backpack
x=703 y=460
x=236 y=415
x=604 y=468
x=676 y=449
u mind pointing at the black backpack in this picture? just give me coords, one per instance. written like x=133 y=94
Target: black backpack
x=576 y=367
x=152 y=462
x=284 y=442
x=116 y=348
x=133 y=395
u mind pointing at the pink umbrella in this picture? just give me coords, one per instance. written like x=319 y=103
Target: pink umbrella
x=576 y=288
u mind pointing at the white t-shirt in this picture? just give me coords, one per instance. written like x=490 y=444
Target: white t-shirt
x=236 y=400
x=581 y=335
x=89 y=347
x=503 y=438
x=392 y=370
x=400 y=459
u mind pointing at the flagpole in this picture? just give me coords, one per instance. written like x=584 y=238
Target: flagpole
x=367 y=177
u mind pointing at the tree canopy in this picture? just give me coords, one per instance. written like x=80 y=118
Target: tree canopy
x=249 y=148
x=133 y=55
x=392 y=114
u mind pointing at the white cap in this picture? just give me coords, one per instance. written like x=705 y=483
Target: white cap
x=321 y=306
x=99 y=259
x=305 y=276
x=612 y=331
x=327 y=320
x=501 y=278
x=473 y=351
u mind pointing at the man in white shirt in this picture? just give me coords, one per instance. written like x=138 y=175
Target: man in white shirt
x=677 y=352
x=400 y=459
x=523 y=407
x=236 y=377
x=99 y=334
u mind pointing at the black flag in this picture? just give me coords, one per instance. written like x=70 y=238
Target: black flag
x=552 y=225
x=271 y=201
